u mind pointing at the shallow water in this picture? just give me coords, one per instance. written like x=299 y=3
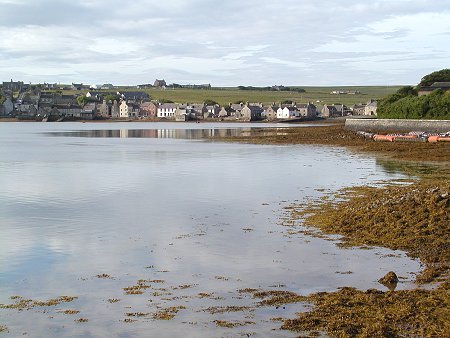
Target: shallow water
x=154 y=201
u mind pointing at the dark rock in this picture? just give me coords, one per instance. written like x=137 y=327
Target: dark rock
x=389 y=279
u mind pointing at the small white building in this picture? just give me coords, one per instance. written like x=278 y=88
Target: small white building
x=287 y=112
x=167 y=110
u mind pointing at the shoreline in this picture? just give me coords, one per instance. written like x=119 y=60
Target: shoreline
x=412 y=218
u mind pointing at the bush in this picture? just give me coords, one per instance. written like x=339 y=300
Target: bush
x=406 y=104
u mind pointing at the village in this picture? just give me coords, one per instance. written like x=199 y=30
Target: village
x=53 y=102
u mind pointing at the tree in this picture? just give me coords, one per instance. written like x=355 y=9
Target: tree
x=2 y=98
x=111 y=97
x=209 y=102
x=407 y=90
x=442 y=75
x=400 y=105
x=82 y=99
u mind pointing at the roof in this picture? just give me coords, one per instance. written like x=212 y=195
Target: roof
x=255 y=108
x=67 y=106
x=146 y=104
x=128 y=95
x=441 y=85
x=168 y=106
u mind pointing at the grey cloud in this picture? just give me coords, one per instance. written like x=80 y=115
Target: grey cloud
x=292 y=30
x=44 y=13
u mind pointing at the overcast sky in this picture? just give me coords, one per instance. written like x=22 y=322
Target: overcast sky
x=225 y=43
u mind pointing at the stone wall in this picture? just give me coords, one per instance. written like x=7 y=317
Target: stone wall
x=375 y=125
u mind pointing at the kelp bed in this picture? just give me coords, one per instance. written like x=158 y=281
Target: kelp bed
x=413 y=218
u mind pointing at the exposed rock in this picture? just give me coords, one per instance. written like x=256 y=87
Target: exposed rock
x=389 y=279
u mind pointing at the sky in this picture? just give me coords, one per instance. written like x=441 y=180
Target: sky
x=225 y=43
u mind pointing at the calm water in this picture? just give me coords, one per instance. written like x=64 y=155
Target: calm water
x=156 y=202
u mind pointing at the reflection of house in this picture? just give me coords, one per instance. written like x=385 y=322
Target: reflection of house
x=371 y=108
x=251 y=113
x=167 y=110
x=437 y=85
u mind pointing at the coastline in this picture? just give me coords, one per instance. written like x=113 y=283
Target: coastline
x=410 y=217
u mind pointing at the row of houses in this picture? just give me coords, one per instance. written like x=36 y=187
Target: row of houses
x=137 y=104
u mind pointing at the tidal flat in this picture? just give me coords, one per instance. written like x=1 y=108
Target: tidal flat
x=411 y=216
x=151 y=230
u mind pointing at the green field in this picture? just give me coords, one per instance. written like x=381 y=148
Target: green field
x=224 y=96
x=312 y=94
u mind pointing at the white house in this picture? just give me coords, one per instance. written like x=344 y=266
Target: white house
x=287 y=112
x=167 y=110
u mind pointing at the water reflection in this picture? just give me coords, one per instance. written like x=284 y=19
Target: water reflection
x=202 y=217
x=170 y=133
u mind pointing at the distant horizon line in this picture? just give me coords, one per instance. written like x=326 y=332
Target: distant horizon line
x=212 y=86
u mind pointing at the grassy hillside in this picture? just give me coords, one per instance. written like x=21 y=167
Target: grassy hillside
x=226 y=95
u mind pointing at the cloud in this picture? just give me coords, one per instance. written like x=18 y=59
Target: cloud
x=199 y=40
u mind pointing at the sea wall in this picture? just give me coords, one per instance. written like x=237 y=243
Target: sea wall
x=375 y=125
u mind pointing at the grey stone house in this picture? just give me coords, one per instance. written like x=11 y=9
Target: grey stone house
x=271 y=112
x=307 y=110
x=329 y=111
x=251 y=113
